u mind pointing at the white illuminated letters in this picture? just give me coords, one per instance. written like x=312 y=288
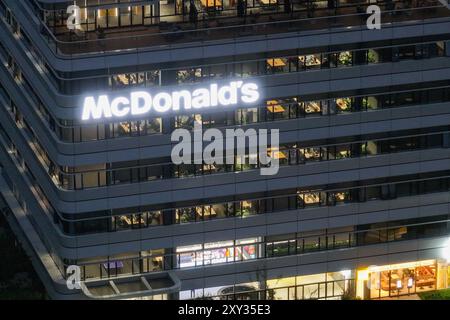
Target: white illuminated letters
x=187 y=100
x=250 y=93
x=96 y=109
x=162 y=102
x=120 y=107
x=142 y=102
x=201 y=98
x=227 y=95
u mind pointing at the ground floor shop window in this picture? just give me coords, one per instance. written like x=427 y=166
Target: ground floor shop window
x=331 y=285
x=401 y=279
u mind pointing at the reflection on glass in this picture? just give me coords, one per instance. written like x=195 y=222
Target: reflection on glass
x=309 y=198
x=345 y=58
x=310 y=61
x=372 y=56
x=344 y=104
x=312 y=107
x=311 y=154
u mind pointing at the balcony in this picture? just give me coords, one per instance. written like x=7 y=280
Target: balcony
x=173 y=30
x=158 y=284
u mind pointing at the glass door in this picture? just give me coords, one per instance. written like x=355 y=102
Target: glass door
x=399 y=280
x=125 y=16
x=137 y=15
x=102 y=18
x=113 y=17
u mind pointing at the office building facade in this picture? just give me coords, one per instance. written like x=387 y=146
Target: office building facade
x=360 y=206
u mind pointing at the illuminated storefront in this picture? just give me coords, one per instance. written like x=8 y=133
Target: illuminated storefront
x=394 y=280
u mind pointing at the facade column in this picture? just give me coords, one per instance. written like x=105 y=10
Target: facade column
x=167 y=78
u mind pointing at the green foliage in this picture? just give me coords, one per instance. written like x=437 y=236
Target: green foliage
x=350 y=292
x=18 y=280
x=21 y=294
x=435 y=295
